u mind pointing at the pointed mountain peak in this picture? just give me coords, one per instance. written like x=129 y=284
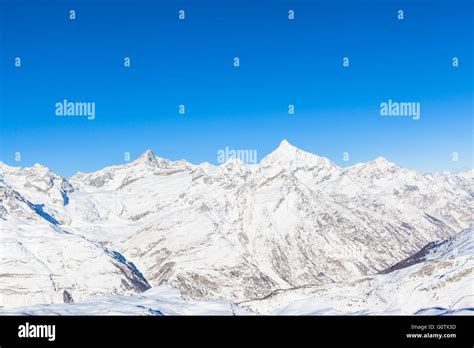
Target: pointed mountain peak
x=148 y=158
x=148 y=153
x=288 y=154
x=285 y=151
x=286 y=146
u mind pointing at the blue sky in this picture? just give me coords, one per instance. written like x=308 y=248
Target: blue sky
x=190 y=62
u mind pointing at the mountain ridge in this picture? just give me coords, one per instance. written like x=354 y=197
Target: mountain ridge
x=149 y=155
x=238 y=231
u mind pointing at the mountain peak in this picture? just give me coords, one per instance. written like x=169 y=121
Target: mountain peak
x=40 y=167
x=285 y=150
x=285 y=145
x=376 y=168
x=148 y=157
x=381 y=162
x=381 y=159
x=287 y=154
x=148 y=153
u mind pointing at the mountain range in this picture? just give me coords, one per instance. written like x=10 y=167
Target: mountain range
x=271 y=237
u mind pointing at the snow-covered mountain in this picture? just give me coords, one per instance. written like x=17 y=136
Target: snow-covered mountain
x=439 y=279
x=234 y=231
x=436 y=280
x=44 y=261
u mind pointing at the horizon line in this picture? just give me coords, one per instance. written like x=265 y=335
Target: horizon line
x=283 y=143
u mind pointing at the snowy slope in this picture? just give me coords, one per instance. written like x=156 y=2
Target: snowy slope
x=437 y=280
x=156 y=301
x=239 y=231
x=42 y=261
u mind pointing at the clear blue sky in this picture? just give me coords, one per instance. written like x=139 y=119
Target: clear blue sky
x=190 y=62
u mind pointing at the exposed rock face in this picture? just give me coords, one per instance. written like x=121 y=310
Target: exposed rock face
x=67 y=297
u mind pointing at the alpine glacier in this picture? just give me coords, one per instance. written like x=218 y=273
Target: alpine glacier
x=237 y=231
